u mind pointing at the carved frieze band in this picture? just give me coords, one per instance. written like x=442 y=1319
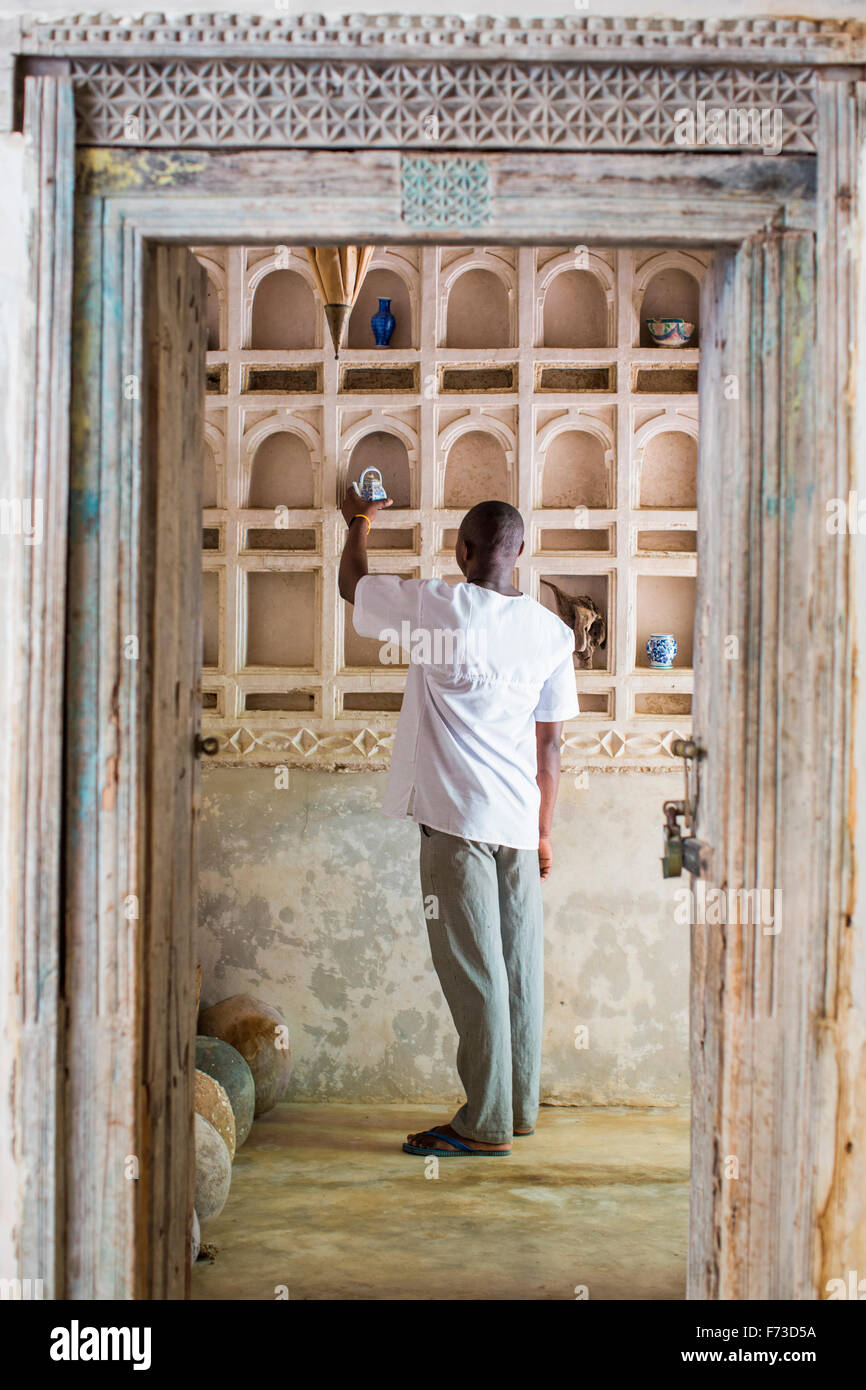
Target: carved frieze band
x=278 y=34
x=444 y=105
x=363 y=746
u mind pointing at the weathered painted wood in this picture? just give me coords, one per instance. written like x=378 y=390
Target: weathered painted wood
x=128 y=951
x=773 y=787
x=103 y=709
x=841 y=1104
x=171 y=646
x=768 y=577
x=756 y=39
x=34 y=576
x=536 y=198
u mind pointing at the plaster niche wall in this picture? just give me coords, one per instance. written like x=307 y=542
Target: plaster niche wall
x=575 y=311
x=476 y=469
x=307 y=895
x=669 y=471
x=576 y=472
x=387 y=452
x=383 y=284
x=285 y=314
x=281 y=473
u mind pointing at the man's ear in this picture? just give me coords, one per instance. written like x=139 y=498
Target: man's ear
x=520 y=551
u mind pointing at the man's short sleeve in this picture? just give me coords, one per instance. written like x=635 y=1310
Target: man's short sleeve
x=384 y=601
x=558 y=699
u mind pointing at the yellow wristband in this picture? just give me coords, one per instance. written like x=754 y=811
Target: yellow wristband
x=363 y=517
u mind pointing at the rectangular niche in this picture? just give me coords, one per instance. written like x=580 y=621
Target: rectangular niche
x=393 y=538
x=280 y=380
x=665 y=603
x=372 y=701
x=477 y=379
x=290 y=701
x=211 y=538
x=210 y=618
x=596 y=540
x=664 y=381
x=596 y=702
x=211 y=701
x=667 y=542
x=216 y=379
x=363 y=652
x=663 y=702
x=281 y=618
x=572 y=587
x=449 y=539
x=372 y=379
x=279 y=538
x=575 y=379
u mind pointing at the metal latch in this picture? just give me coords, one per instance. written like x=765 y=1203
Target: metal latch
x=681 y=849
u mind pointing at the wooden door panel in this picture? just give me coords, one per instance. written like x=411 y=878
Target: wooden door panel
x=171 y=607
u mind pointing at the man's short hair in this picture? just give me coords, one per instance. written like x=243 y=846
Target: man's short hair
x=493 y=528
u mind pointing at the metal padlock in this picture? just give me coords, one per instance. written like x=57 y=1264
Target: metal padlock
x=672 y=858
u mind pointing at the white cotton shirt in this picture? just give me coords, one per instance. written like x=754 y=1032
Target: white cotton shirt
x=484 y=669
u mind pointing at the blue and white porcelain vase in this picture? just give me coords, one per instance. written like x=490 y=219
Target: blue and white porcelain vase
x=661 y=648
x=383 y=323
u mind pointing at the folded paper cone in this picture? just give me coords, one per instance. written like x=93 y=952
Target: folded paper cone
x=337 y=316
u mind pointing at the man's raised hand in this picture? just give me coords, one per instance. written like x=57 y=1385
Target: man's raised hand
x=353 y=505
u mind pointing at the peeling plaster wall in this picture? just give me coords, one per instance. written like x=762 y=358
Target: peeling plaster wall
x=309 y=898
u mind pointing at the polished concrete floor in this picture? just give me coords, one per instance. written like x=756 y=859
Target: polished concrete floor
x=325 y=1205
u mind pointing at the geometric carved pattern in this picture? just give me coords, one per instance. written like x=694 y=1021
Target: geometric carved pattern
x=352 y=104
x=445 y=192
x=363 y=747
x=405 y=36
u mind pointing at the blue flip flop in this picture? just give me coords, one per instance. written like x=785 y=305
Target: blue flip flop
x=457 y=1151
x=522 y=1133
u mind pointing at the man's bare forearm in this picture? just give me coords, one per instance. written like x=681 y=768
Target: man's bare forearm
x=353 y=561
x=358 y=514
x=547 y=741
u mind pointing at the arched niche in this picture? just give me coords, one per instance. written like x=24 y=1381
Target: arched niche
x=575 y=473
x=389 y=454
x=672 y=293
x=575 y=311
x=669 y=472
x=281 y=473
x=212 y=314
x=209 y=495
x=285 y=312
x=384 y=284
x=478 y=311
x=476 y=470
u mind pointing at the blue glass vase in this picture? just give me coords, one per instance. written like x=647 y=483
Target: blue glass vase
x=383 y=323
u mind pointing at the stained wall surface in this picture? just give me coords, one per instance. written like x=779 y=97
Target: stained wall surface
x=310 y=899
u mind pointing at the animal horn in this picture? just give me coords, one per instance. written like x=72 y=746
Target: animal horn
x=564 y=604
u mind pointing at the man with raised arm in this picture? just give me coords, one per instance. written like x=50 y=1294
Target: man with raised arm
x=476 y=765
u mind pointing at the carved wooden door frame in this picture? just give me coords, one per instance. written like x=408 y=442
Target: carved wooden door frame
x=785 y=270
